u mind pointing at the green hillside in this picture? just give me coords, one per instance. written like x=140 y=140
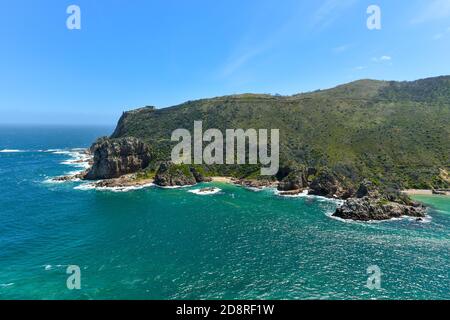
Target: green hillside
x=391 y=132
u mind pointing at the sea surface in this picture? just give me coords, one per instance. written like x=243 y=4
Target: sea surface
x=158 y=243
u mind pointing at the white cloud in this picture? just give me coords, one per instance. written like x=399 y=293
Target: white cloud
x=433 y=10
x=239 y=61
x=327 y=12
x=382 y=58
x=342 y=48
x=359 y=68
x=441 y=35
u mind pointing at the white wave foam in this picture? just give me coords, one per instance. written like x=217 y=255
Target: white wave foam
x=300 y=195
x=205 y=192
x=85 y=187
x=426 y=219
x=5 y=285
x=76 y=153
x=52 y=181
x=92 y=186
x=173 y=187
x=11 y=151
x=81 y=163
x=254 y=189
x=78 y=159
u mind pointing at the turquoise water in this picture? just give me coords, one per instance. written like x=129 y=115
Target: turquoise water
x=172 y=244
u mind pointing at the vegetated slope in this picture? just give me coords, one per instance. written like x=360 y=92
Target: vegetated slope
x=391 y=132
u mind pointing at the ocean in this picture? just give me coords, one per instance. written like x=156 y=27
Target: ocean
x=155 y=243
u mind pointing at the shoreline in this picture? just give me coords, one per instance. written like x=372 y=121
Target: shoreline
x=223 y=180
x=423 y=192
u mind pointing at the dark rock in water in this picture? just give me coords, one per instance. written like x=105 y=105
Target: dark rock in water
x=291 y=193
x=116 y=157
x=366 y=209
x=254 y=184
x=172 y=175
x=371 y=203
x=70 y=178
x=440 y=193
x=125 y=181
x=295 y=180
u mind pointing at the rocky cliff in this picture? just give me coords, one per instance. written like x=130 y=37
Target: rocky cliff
x=172 y=175
x=116 y=157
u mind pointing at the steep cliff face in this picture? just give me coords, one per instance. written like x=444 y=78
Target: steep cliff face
x=116 y=157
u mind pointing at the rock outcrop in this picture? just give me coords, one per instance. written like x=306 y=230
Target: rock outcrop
x=291 y=193
x=198 y=176
x=174 y=175
x=254 y=183
x=327 y=184
x=373 y=204
x=117 y=157
x=78 y=176
x=125 y=181
x=367 y=209
x=295 y=180
x=367 y=189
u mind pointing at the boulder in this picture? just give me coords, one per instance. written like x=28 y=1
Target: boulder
x=367 y=209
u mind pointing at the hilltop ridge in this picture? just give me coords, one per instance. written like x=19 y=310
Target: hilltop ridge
x=391 y=132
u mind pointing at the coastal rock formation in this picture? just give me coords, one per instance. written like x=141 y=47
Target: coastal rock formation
x=295 y=180
x=327 y=184
x=116 y=157
x=367 y=209
x=372 y=204
x=78 y=176
x=291 y=192
x=173 y=175
x=367 y=189
x=125 y=181
x=198 y=176
x=254 y=183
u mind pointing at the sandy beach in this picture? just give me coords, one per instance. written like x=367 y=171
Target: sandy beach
x=423 y=192
x=222 y=179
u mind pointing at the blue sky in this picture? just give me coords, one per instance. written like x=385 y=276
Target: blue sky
x=134 y=53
